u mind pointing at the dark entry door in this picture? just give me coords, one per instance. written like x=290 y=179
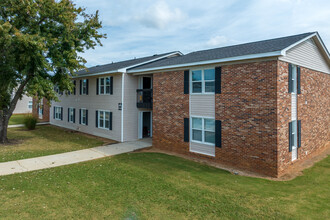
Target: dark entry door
x=146 y=83
x=146 y=131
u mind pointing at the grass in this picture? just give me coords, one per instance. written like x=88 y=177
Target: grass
x=17 y=119
x=159 y=186
x=45 y=140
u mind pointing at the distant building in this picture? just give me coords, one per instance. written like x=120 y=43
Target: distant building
x=24 y=105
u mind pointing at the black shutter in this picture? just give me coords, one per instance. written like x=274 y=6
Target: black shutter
x=186 y=82
x=110 y=126
x=74 y=115
x=290 y=79
x=217 y=80
x=62 y=113
x=79 y=116
x=186 y=129
x=86 y=117
x=111 y=85
x=299 y=133
x=97 y=119
x=54 y=113
x=74 y=89
x=80 y=87
x=97 y=86
x=290 y=137
x=68 y=114
x=87 y=86
x=298 y=80
x=218 y=133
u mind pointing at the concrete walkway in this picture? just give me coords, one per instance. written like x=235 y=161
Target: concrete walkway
x=38 y=163
x=21 y=125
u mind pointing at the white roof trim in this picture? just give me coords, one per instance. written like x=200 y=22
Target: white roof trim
x=246 y=57
x=124 y=70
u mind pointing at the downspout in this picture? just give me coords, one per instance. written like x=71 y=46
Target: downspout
x=122 y=105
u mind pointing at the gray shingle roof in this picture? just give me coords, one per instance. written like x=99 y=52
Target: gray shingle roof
x=119 y=65
x=258 y=47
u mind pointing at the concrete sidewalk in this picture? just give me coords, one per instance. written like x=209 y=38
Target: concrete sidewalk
x=21 y=125
x=56 y=160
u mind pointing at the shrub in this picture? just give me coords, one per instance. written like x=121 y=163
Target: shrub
x=30 y=122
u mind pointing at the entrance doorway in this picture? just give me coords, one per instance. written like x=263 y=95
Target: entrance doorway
x=145 y=124
x=146 y=82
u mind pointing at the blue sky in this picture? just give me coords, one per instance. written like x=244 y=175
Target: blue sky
x=138 y=28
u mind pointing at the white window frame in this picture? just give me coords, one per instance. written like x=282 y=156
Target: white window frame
x=58 y=114
x=84 y=86
x=71 y=113
x=99 y=119
x=203 y=129
x=203 y=81
x=30 y=105
x=82 y=116
x=104 y=85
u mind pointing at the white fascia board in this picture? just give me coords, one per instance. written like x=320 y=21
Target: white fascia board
x=124 y=70
x=149 y=61
x=246 y=57
x=97 y=74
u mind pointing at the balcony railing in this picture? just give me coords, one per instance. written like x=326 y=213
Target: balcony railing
x=144 y=98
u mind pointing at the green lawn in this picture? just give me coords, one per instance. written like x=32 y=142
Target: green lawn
x=45 y=140
x=17 y=119
x=158 y=186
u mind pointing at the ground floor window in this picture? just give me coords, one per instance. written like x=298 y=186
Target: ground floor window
x=71 y=115
x=58 y=113
x=104 y=119
x=203 y=130
x=83 y=116
x=30 y=104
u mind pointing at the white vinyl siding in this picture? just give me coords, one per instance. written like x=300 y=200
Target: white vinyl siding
x=202 y=105
x=307 y=54
x=202 y=149
x=93 y=102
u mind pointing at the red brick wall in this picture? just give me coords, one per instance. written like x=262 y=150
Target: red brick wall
x=170 y=107
x=314 y=115
x=247 y=109
x=35 y=111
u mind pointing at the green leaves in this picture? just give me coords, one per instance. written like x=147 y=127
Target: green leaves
x=40 y=41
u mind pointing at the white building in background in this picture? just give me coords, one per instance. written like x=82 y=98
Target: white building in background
x=24 y=105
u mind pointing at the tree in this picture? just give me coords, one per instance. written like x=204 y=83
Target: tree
x=40 y=43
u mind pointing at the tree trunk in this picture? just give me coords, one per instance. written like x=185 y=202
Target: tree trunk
x=4 y=120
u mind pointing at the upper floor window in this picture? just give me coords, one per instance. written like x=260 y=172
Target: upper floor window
x=203 y=130
x=84 y=87
x=202 y=81
x=104 y=85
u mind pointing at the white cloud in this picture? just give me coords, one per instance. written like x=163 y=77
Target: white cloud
x=217 y=41
x=160 y=16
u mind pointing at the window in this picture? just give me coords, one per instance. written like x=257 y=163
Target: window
x=294 y=79
x=71 y=115
x=203 y=130
x=83 y=116
x=84 y=87
x=104 y=119
x=104 y=85
x=58 y=113
x=203 y=81
x=30 y=104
